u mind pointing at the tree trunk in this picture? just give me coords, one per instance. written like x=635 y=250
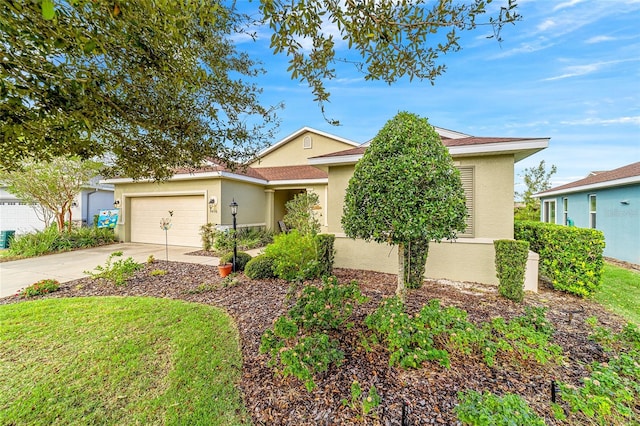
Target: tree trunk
x=69 y=226
x=415 y=254
x=60 y=220
x=401 y=290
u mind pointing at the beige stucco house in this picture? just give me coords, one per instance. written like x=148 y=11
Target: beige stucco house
x=311 y=160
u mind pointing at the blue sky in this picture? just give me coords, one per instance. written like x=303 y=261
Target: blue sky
x=569 y=71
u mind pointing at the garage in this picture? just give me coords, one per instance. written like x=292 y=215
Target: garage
x=189 y=214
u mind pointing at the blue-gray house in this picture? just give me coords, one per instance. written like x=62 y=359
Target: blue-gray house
x=608 y=201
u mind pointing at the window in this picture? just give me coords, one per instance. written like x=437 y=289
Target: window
x=307 y=142
x=565 y=211
x=592 y=211
x=549 y=211
x=467 y=178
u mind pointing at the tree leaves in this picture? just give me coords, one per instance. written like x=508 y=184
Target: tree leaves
x=48 y=9
x=391 y=39
x=161 y=85
x=405 y=188
x=52 y=184
x=154 y=85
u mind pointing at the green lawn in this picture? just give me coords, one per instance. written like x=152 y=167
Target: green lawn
x=620 y=292
x=118 y=361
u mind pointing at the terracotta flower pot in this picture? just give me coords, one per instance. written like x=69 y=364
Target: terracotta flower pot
x=225 y=269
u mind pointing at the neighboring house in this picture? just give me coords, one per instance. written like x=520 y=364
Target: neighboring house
x=608 y=201
x=21 y=217
x=310 y=160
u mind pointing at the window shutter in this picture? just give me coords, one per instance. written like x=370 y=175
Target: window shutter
x=466 y=175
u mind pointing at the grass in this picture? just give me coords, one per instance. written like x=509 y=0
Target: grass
x=620 y=292
x=112 y=360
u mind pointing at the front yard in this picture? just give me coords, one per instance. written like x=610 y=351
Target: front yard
x=416 y=396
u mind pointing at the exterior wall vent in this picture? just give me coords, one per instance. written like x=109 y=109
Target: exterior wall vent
x=307 y=142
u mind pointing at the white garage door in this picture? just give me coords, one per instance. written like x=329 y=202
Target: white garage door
x=189 y=214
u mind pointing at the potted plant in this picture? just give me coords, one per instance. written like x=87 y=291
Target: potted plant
x=225 y=269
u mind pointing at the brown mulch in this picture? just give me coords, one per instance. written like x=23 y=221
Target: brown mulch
x=623 y=264
x=409 y=397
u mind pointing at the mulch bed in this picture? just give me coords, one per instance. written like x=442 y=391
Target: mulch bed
x=409 y=397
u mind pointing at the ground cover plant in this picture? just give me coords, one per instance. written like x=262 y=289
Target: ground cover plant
x=424 y=395
x=610 y=393
x=39 y=288
x=299 y=343
x=435 y=332
x=115 y=360
x=480 y=409
x=116 y=272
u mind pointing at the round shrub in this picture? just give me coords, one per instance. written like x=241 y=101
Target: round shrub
x=241 y=259
x=260 y=267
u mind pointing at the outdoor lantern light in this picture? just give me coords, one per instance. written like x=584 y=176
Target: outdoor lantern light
x=213 y=201
x=234 y=212
x=116 y=204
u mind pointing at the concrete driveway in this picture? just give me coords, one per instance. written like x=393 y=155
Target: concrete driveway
x=18 y=274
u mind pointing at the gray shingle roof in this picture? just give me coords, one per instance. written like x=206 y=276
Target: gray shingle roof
x=628 y=171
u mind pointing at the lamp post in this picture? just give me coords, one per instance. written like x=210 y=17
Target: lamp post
x=234 y=212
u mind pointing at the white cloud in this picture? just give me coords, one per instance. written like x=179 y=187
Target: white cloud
x=528 y=47
x=566 y=4
x=349 y=80
x=634 y=120
x=546 y=25
x=553 y=25
x=578 y=70
x=599 y=39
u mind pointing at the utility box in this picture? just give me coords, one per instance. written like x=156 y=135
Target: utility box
x=5 y=238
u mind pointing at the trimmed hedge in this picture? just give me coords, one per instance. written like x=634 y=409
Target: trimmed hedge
x=325 y=253
x=260 y=267
x=242 y=259
x=570 y=257
x=511 y=263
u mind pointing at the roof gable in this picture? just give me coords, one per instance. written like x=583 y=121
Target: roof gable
x=624 y=175
x=296 y=148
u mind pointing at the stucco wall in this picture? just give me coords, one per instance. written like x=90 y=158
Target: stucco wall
x=206 y=187
x=338 y=181
x=467 y=259
x=493 y=195
x=460 y=261
x=292 y=153
x=619 y=222
x=251 y=201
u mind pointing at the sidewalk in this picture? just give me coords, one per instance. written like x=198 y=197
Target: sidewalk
x=18 y=274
